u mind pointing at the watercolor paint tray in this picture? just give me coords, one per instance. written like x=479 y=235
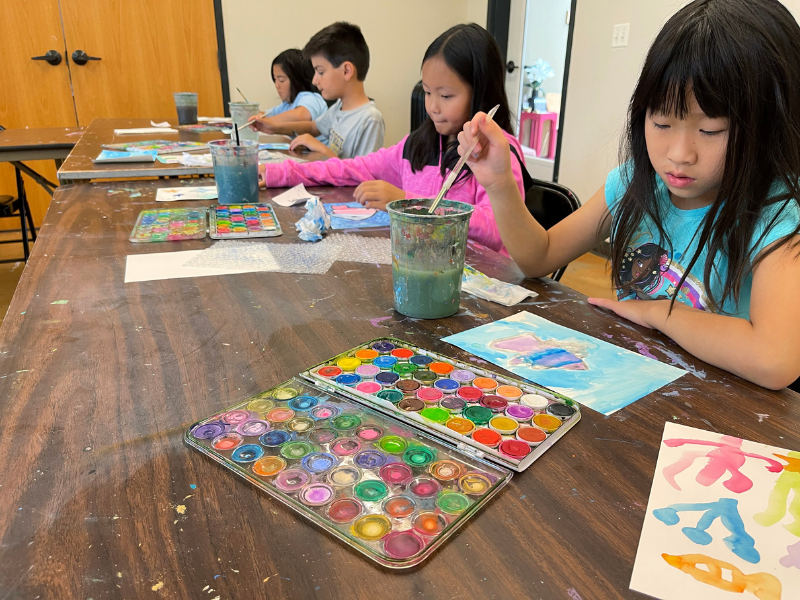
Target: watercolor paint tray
x=169 y=224
x=384 y=488
x=230 y=221
x=505 y=420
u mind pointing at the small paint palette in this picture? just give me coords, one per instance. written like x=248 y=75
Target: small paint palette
x=506 y=420
x=242 y=221
x=390 y=491
x=169 y=225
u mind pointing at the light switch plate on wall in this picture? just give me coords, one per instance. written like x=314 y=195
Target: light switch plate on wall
x=620 y=37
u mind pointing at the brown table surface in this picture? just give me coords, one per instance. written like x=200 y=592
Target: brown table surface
x=99 y=380
x=79 y=163
x=38 y=143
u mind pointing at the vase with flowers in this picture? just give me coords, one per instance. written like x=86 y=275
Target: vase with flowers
x=536 y=74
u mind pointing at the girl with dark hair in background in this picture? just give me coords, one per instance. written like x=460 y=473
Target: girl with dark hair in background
x=292 y=75
x=704 y=209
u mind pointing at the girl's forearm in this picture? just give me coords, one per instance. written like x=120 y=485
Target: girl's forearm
x=730 y=343
x=524 y=238
x=292 y=127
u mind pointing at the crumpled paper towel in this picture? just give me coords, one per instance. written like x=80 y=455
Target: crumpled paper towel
x=315 y=223
x=478 y=284
x=196 y=160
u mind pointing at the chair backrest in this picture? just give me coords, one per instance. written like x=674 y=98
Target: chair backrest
x=550 y=202
x=418 y=114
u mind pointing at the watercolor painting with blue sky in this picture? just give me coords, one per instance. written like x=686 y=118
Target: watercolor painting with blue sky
x=597 y=374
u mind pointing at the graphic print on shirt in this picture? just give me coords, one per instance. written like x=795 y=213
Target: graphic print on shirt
x=649 y=273
x=335 y=142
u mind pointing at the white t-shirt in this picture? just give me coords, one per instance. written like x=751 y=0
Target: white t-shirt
x=354 y=132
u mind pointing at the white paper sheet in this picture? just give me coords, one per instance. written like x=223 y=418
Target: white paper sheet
x=169 y=265
x=297 y=195
x=196 y=192
x=162 y=124
x=145 y=130
x=717 y=520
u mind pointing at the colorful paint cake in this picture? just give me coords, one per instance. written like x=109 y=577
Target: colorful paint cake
x=463 y=402
x=169 y=225
x=243 y=221
x=389 y=491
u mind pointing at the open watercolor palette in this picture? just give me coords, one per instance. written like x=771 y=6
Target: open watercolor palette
x=393 y=493
x=506 y=420
x=225 y=222
x=391 y=470
x=242 y=221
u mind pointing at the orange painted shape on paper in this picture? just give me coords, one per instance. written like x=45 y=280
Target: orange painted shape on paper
x=763 y=586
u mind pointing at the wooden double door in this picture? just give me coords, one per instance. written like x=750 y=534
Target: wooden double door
x=66 y=62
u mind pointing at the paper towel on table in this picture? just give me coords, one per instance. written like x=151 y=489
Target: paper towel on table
x=196 y=160
x=297 y=195
x=315 y=222
x=478 y=284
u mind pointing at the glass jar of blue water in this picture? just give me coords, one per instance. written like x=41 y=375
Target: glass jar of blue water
x=186 y=106
x=241 y=113
x=236 y=170
x=428 y=256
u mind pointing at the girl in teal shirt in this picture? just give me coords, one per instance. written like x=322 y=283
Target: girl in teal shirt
x=703 y=214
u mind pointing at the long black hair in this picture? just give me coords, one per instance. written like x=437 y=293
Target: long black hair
x=297 y=69
x=741 y=61
x=471 y=52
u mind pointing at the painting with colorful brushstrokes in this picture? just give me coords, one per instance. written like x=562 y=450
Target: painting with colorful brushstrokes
x=723 y=516
x=351 y=215
x=597 y=374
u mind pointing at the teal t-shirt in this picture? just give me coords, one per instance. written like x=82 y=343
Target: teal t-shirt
x=650 y=271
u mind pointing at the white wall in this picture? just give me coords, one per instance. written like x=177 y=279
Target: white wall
x=397 y=34
x=601 y=81
x=546 y=31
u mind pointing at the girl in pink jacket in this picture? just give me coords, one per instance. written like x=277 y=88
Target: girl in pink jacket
x=462 y=73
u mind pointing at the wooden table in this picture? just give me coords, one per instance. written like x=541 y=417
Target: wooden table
x=99 y=380
x=79 y=163
x=17 y=145
x=38 y=144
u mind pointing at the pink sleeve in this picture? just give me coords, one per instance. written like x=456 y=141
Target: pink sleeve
x=482 y=225
x=384 y=164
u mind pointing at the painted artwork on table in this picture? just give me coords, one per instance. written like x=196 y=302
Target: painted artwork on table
x=160 y=146
x=351 y=215
x=597 y=374
x=207 y=127
x=723 y=516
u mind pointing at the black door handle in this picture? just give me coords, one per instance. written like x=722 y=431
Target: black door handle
x=510 y=66
x=79 y=57
x=52 y=56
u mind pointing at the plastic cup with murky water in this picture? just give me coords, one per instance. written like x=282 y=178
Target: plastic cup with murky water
x=235 y=170
x=241 y=113
x=186 y=105
x=428 y=256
